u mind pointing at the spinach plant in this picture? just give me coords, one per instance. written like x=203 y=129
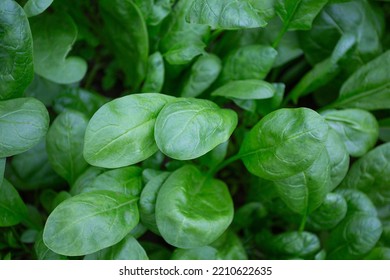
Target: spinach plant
x=194 y=129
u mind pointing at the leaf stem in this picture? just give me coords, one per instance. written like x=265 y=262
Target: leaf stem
x=226 y=162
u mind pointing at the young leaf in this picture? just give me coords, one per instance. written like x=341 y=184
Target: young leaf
x=16 y=69
x=64 y=144
x=182 y=41
x=89 y=222
x=298 y=14
x=155 y=76
x=23 y=123
x=357 y=128
x=36 y=7
x=225 y=14
x=12 y=208
x=127 y=32
x=189 y=204
x=121 y=132
x=53 y=37
x=246 y=90
x=188 y=128
x=127 y=249
x=154 y=11
x=273 y=148
x=203 y=73
x=368 y=88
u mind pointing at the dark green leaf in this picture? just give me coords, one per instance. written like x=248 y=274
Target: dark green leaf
x=379 y=253
x=12 y=208
x=16 y=68
x=23 y=123
x=266 y=106
x=189 y=128
x=384 y=130
x=189 y=204
x=2 y=168
x=229 y=247
x=90 y=222
x=199 y=253
x=36 y=7
x=154 y=11
x=155 y=76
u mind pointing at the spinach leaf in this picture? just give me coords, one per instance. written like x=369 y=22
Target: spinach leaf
x=23 y=123
x=384 y=130
x=155 y=75
x=246 y=90
x=16 y=70
x=90 y=222
x=121 y=132
x=188 y=128
x=43 y=252
x=12 y=208
x=188 y=204
x=154 y=11
x=2 y=168
x=84 y=181
x=36 y=7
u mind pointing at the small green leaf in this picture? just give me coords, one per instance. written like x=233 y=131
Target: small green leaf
x=155 y=76
x=246 y=90
x=384 y=130
x=203 y=73
x=12 y=208
x=16 y=50
x=64 y=144
x=36 y=7
x=23 y=123
x=127 y=249
x=225 y=14
x=53 y=37
x=357 y=128
x=121 y=132
x=189 y=128
x=189 y=204
x=89 y=222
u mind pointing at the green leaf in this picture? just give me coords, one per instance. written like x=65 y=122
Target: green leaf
x=53 y=37
x=126 y=30
x=266 y=106
x=23 y=123
x=16 y=69
x=155 y=76
x=154 y=11
x=199 y=253
x=203 y=73
x=246 y=90
x=64 y=144
x=2 y=168
x=84 y=181
x=215 y=156
x=44 y=90
x=89 y=222
x=43 y=252
x=357 y=128
x=189 y=204
x=249 y=62
x=189 y=128
x=147 y=202
x=330 y=213
x=379 y=253
x=368 y=88
x=127 y=249
x=273 y=148
x=225 y=14
x=36 y=7
x=371 y=174
x=230 y=247
x=298 y=14
x=121 y=132
x=182 y=41
x=12 y=208
x=384 y=130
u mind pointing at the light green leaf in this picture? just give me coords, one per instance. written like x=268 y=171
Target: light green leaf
x=128 y=35
x=23 y=123
x=64 y=144
x=155 y=76
x=12 y=208
x=192 y=210
x=246 y=90
x=203 y=73
x=189 y=128
x=89 y=222
x=357 y=128
x=53 y=38
x=36 y=7
x=273 y=148
x=225 y=14
x=16 y=68
x=121 y=132
x=43 y=252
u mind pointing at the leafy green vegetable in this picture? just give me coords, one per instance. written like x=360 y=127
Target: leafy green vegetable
x=155 y=76
x=246 y=89
x=12 y=208
x=36 y=7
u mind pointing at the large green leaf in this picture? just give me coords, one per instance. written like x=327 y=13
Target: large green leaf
x=12 y=208
x=64 y=144
x=273 y=148
x=192 y=210
x=188 y=128
x=128 y=36
x=16 y=68
x=53 y=38
x=89 y=222
x=225 y=14
x=121 y=132
x=23 y=123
